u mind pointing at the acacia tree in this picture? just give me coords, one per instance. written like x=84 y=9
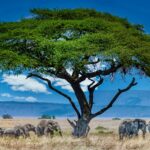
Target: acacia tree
x=75 y=45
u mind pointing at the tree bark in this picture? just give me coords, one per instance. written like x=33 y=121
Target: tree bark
x=82 y=100
x=80 y=127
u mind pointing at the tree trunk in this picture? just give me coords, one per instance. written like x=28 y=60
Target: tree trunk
x=80 y=127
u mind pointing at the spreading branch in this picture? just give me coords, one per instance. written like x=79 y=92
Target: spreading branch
x=120 y=91
x=93 y=62
x=90 y=85
x=91 y=89
x=57 y=91
x=112 y=69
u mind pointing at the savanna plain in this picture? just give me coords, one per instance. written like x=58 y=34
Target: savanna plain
x=103 y=136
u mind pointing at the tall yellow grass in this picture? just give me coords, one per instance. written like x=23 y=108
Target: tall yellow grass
x=99 y=139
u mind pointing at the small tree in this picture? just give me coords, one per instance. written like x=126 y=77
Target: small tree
x=75 y=45
x=7 y=116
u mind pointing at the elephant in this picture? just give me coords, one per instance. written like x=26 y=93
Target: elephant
x=127 y=129
x=49 y=131
x=141 y=125
x=55 y=126
x=13 y=132
x=46 y=127
x=1 y=131
x=26 y=129
x=148 y=126
x=130 y=128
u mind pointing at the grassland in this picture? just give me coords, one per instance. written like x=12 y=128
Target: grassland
x=103 y=136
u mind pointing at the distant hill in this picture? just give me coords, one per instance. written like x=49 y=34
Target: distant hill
x=25 y=109
x=130 y=98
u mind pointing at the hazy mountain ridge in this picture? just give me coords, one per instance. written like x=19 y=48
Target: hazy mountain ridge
x=133 y=97
x=25 y=109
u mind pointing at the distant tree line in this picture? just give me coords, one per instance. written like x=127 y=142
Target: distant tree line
x=7 y=116
x=44 y=116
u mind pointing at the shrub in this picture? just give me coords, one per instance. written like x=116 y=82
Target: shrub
x=116 y=119
x=100 y=128
x=7 y=116
x=103 y=130
x=47 y=117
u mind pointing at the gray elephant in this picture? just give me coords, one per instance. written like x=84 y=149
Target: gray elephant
x=55 y=127
x=130 y=128
x=127 y=129
x=122 y=130
x=49 y=130
x=1 y=131
x=26 y=129
x=46 y=127
x=141 y=125
x=13 y=132
x=41 y=127
x=148 y=126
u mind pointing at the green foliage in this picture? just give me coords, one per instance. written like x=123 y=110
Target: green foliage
x=100 y=128
x=103 y=130
x=47 y=117
x=7 y=116
x=55 y=39
x=116 y=119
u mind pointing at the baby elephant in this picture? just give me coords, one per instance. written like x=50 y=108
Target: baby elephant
x=13 y=132
x=46 y=127
x=26 y=129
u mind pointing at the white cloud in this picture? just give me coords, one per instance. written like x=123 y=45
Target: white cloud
x=28 y=99
x=20 y=83
x=65 y=85
x=84 y=84
x=31 y=99
x=6 y=95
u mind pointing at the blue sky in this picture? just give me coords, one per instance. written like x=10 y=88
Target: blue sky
x=19 y=89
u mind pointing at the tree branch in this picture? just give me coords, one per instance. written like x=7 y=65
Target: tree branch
x=112 y=69
x=91 y=91
x=93 y=62
x=81 y=97
x=71 y=123
x=89 y=86
x=120 y=91
x=57 y=91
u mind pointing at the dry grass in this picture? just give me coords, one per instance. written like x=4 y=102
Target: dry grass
x=104 y=137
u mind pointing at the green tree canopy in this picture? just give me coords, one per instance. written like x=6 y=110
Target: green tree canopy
x=75 y=45
x=71 y=39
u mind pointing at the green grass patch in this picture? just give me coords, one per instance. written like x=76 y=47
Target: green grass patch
x=101 y=128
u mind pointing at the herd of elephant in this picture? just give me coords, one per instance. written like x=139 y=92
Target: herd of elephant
x=130 y=128
x=45 y=127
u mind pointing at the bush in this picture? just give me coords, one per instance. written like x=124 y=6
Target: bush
x=100 y=128
x=103 y=130
x=47 y=117
x=116 y=119
x=7 y=116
